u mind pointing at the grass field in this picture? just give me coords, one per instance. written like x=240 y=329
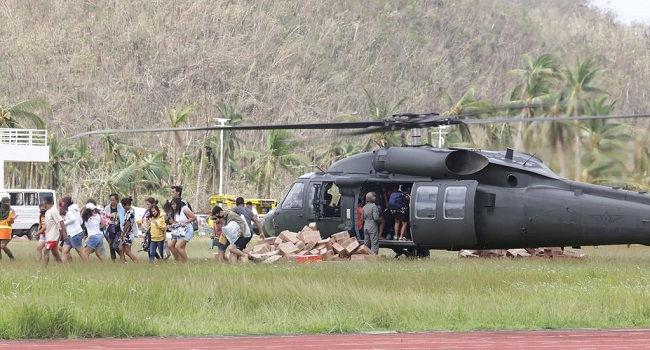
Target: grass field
x=610 y=288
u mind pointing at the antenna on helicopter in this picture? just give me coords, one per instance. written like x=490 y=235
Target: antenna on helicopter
x=529 y=158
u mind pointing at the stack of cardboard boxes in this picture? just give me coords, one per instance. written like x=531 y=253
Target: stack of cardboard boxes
x=307 y=245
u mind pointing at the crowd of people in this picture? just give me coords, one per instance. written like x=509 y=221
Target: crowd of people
x=167 y=230
x=377 y=213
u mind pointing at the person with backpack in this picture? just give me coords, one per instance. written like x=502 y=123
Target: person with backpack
x=397 y=210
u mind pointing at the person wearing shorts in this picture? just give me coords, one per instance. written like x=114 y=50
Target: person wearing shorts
x=182 y=225
x=234 y=248
x=7 y=217
x=94 y=225
x=54 y=229
x=126 y=239
x=222 y=241
x=72 y=219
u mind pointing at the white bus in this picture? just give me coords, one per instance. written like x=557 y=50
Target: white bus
x=25 y=203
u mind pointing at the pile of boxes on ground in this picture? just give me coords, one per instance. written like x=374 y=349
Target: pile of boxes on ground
x=307 y=245
x=552 y=252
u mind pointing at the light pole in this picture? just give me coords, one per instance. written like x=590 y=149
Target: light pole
x=221 y=121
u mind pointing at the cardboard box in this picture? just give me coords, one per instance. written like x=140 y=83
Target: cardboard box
x=287 y=248
x=308 y=258
x=288 y=236
x=341 y=236
x=261 y=248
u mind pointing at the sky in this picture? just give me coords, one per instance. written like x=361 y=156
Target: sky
x=627 y=10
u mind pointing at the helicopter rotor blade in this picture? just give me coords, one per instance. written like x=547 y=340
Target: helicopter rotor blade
x=552 y=119
x=329 y=126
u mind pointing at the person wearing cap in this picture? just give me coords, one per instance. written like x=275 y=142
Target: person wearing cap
x=95 y=226
x=371 y=223
x=7 y=217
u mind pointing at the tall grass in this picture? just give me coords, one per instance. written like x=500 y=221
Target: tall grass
x=608 y=289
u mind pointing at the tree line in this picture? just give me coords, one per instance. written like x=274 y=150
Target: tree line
x=597 y=151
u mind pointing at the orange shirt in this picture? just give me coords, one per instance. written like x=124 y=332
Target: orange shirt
x=5 y=226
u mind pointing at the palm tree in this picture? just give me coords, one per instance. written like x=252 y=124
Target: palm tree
x=579 y=84
x=59 y=159
x=467 y=104
x=23 y=114
x=150 y=170
x=641 y=171
x=333 y=152
x=382 y=111
x=605 y=151
x=211 y=150
x=176 y=119
x=537 y=81
x=279 y=154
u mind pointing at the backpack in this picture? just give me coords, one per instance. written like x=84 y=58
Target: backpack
x=396 y=200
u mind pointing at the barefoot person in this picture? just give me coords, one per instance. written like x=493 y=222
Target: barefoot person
x=7 y=217
x=54 y=229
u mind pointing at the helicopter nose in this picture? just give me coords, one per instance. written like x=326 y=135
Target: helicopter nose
x=269 y=224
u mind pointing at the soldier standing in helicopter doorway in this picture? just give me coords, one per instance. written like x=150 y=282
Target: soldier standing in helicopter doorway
x=371 y=223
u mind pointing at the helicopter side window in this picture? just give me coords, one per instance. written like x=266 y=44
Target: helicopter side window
x=425 y=202
x=293 y=200
x=454 y=204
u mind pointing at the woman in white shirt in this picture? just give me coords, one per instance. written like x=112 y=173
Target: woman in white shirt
x=72 y=221
x=94 y=226
x=182 y=229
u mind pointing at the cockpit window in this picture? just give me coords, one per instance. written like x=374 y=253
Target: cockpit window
x=293 y=200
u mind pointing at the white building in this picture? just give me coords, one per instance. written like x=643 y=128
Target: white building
x=22 y=145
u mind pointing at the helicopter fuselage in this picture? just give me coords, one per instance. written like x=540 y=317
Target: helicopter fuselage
x=466 y=199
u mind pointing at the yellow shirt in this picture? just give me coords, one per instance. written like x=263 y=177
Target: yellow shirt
x=157 y=228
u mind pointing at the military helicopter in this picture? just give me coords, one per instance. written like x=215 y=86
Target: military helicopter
x=459 y=198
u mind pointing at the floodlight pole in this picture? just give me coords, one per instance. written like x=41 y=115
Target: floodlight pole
x=441 y=133
x=222 y=122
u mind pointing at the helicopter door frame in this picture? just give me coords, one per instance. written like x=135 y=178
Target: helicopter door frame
x=442 y=213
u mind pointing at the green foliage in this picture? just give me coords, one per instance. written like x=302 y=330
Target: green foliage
x=24 y=115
